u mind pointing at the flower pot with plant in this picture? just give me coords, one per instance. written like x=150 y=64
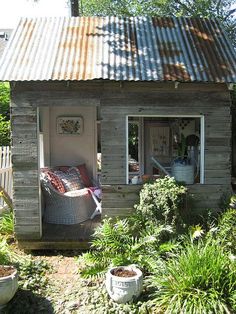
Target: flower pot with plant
x=124 y=283
x=8 y=284
x=8 y=273
x=182 y=169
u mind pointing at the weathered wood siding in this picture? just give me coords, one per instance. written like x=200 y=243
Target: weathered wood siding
x=117 y=100
x=143 y=99
x=26 y=198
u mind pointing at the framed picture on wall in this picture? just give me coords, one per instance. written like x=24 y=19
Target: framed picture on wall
x=70 y=125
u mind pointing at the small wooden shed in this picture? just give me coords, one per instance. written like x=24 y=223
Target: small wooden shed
x=136 y=86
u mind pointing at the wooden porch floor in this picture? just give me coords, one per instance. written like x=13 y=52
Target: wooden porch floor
x=77 y=232
x=64 y=237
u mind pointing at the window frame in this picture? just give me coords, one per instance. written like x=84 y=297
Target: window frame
x=141 y=141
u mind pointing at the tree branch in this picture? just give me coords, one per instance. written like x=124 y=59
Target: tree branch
x=187 y=8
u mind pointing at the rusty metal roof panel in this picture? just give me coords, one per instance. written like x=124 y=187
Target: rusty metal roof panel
x=122 y=49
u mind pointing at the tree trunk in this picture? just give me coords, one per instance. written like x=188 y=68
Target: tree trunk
x=74 y=7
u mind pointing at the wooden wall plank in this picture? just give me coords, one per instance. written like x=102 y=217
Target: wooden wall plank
x=26 y=200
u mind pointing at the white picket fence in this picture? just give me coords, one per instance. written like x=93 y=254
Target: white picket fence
x=5 y=173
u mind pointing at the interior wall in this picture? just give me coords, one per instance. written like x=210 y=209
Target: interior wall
x=60 y=149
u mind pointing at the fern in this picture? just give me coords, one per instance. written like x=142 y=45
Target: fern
x=137 y=239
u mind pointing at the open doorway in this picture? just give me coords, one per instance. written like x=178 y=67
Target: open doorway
x=67 y=149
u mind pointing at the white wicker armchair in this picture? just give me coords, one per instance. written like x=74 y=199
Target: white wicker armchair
x=69 y=208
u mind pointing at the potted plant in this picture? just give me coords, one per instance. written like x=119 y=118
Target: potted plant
x=8 y=273
x=124 y=283
x=8 y=284
x=182 y=169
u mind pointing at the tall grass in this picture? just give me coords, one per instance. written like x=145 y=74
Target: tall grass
x=199 y=279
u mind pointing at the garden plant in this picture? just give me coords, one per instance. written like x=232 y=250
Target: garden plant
x=187 y=269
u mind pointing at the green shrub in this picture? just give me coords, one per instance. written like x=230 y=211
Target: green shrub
x=161 y=202
x=200 y=278
x=227 y=230
x=4 y=131
x=5 y=99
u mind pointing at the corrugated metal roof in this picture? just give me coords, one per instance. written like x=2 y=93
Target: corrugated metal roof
x=4 y=37
x=113 y=48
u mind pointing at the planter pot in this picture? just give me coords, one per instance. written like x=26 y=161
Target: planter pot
x=183 y=173
x=8 y=286
x=124 y=289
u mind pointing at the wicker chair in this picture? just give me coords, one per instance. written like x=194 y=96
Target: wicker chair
x=70 y=208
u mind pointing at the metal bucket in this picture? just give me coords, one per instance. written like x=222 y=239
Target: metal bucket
x=183 y=173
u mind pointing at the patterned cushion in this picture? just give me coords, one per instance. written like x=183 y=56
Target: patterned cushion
x=70 y=180
x=84 y=175
x=44 y=169
x=62 y=168
x=75 y=171
x=55 y=181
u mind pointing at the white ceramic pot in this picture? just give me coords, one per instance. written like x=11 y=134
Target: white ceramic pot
x=124 y=289
x=8 y=287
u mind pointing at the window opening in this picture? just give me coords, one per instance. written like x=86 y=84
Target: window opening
x=158 y=146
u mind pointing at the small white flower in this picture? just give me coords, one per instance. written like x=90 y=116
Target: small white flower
x=232 y=257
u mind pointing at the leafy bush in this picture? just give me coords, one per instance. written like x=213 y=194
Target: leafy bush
x=161 y=202
x=5 y=100
x=227 y=230
x=200 y=278
x=4 y=131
